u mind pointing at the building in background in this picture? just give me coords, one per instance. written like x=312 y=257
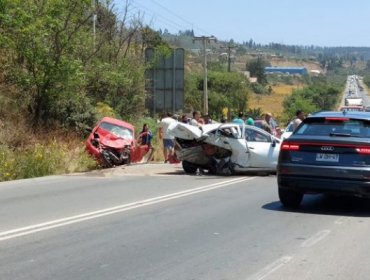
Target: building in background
x=286 y=70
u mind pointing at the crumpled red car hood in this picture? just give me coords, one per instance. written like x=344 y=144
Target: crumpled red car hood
x=113 y=141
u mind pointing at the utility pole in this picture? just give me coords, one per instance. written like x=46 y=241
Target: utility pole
x=205 y=40
x=229 y=47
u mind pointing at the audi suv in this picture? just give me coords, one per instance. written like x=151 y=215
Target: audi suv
x=328 y=153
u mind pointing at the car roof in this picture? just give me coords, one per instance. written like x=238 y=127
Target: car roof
x=338 y=114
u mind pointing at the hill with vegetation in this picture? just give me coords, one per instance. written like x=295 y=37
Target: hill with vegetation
x=61 y=71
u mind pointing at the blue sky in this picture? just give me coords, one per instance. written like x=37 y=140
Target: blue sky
x=300 y=22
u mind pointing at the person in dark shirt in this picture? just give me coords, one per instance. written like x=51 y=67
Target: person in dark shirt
x=145 y=136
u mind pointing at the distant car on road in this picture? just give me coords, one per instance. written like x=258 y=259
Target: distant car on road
x=328 y=153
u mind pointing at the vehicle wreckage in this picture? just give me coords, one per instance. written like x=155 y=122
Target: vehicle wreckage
x=225 y=149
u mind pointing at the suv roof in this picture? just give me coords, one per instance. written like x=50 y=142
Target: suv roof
x=350 y=114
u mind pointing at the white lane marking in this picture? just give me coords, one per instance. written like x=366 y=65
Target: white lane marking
x=315 y=238
x=5 y=235
x=341 y=220
x=266 y=271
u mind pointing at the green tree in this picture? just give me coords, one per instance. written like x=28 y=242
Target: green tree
x=227 y=90
x=310 y=99
x=193 y=91
x=41 y=41
x=256 y=68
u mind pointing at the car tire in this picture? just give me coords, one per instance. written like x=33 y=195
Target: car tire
x=189 y=167
x=290 y=198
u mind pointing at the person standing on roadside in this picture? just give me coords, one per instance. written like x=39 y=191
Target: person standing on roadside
x=167 y=138
x=185 y=119
x=266 y=125
x=299 y=117
x=207 y=119
x=239 y=119
x=249 y=121
x=145 y=136
x=197 y=120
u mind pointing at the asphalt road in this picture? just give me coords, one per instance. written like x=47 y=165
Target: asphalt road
x=154 y=222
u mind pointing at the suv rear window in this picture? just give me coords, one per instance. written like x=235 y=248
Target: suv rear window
x=335 y=127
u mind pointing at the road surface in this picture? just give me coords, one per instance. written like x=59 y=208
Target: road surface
x=155 y=222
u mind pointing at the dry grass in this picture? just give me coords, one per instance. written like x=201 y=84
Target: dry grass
x=272 y=103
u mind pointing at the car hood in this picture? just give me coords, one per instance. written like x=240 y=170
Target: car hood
x=185 y=131
x=113 y=141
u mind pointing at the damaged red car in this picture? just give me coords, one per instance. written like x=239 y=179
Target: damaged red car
x=112 y=142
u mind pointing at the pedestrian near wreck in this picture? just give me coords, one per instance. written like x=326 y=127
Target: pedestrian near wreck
x=167 y=138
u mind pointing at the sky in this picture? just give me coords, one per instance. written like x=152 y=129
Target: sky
x=291 y=22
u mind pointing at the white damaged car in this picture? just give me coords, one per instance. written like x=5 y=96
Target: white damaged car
x=225 y=148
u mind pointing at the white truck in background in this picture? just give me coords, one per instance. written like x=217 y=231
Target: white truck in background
x=353 y=102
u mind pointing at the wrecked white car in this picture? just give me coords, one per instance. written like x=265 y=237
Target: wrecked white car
x=225 y=148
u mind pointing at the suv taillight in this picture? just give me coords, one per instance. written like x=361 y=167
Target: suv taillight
x=363 y=150
x=290 y=147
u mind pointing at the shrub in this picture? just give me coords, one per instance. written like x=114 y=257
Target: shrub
x=42 y=160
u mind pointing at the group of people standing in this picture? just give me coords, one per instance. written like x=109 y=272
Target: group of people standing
x=168 y=139
x=268 y=123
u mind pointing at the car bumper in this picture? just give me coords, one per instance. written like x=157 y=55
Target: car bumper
x=354 y=182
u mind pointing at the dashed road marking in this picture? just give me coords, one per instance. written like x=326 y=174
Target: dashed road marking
x=266 y=271
x=315 y=238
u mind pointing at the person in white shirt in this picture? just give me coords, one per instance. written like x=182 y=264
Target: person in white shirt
x=168 y=139
x=197 y=120
x=299 y=117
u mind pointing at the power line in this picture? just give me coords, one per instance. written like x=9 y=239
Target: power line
x=172 y=14
x=159 y=17
x=181 y=18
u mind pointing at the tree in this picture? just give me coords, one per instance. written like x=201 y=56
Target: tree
x=61 y=70
x=227 y=90
x=256 y=68
x=310 y=99
x=42 y=41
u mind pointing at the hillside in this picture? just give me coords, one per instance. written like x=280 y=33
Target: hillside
x=272 y=103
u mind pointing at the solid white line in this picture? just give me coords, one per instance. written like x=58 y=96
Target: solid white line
x=316 y=238
x=112 y=210
x=279 y=263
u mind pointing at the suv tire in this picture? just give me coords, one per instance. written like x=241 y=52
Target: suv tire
x=290 y=198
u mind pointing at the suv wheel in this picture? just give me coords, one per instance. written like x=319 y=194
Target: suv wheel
x=289 y=198
x=189 y=168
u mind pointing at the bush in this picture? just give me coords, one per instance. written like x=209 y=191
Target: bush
x=42 y=160
x=258 y=88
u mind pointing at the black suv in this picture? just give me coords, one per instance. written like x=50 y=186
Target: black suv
x=328 y=153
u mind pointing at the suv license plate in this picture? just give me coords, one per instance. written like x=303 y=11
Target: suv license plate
x=327 y=157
